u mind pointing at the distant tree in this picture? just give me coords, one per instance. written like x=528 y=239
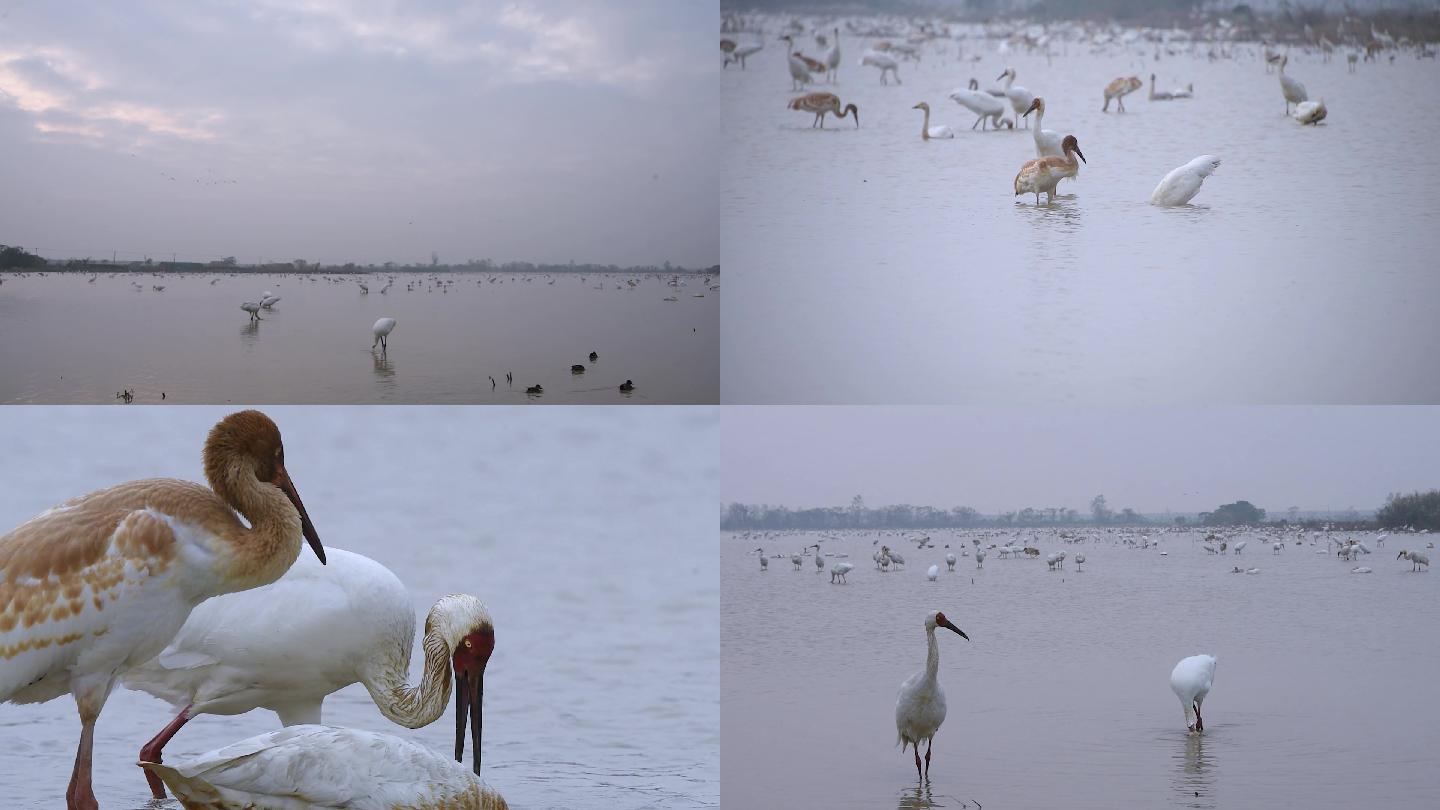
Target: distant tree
x=1240 y=512
x=1099 y=511
x=19 y=257
x=1181 y=520
x=1418 y=510
x=1294 y=513
x=1130 y=517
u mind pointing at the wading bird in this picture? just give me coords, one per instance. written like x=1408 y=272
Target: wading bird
x=1310 y=112
x=839 y=571
x=253 y=308
x=920 y=707
x=1417 y=559
x=1119 y=89
x=1048 y=142
x=989 y=108
x=1043 y=174
x=382 y=330
x=1182 y=183
x=1190 y=681
x=822 y=104
x=1291 y=88
x=1020 y=98
x=100 y=584
x=315 y=766
x=287 y=646
x=884 y=62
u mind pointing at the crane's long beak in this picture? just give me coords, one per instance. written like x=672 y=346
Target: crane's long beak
x=282 y=480
x=469 y=702
x=956 y=629
x=1081 y=154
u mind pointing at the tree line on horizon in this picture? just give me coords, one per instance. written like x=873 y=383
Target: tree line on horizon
x=1417 y=510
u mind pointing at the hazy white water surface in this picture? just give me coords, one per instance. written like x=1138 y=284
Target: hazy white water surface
x=872 y=267
x=1062 y=696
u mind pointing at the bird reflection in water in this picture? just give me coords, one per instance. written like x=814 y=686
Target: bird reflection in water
x=921 y=798
x=1194 y=779
x=250 y=332
x=384 y=368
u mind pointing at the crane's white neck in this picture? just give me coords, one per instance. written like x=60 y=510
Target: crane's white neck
x=418 y=705
x=925 y=127
x=932 y=655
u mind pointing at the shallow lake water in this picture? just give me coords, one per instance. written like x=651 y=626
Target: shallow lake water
x=603 y=690
x=870 y=266
x=65 y=339
x=1062 y=696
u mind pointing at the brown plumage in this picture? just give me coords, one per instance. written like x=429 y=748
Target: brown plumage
x=822 y=104
x=1042 y=174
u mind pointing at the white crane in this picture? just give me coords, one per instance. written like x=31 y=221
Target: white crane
x=1047 y=141
x=1191 y=681
x=1310 y=112
x=979 y=558
x=920 y=707
x=1291 y=88
x=105 y=581
x=884 y=62
x=799 y=71
x=252 y=307
x=950 y=561
x=313 y=766
x=819 y=559
x=1020 y=98
x=839 y=571
x=1416 y=559
x=988 y=108
x=832 y=60
x=1079 y=561
x=382 y=330
x=288 y=645
x=1182 y=183
x=933 y=573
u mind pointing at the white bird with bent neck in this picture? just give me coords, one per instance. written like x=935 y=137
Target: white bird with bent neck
x=104 y=581
x=312 y=766
x=1290 y=88
x=1191 y=681
x=287 y=646
x=920 y=707
x=928 y=132
x=1182 y=184
x=990 y=109
x=1020 y=98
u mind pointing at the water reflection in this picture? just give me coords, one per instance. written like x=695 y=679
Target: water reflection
x=250 y=332
x=1194 y=779
x=921 y=798
x=383 y=368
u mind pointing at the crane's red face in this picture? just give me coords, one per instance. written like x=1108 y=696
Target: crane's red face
x=469 y=659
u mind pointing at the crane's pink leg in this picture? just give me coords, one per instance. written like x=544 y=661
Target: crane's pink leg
x=151 y=752
x=80 y=795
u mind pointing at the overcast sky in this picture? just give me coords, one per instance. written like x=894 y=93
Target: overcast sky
x=1150 y=459
x=374 y=130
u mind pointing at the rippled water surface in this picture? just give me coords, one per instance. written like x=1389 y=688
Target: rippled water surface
x=870 y=266
x=65 y=339
x=1062 y=697
x=603 y=690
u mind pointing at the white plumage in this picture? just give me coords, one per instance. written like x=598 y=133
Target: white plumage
x=989 y=108
x=920 y=707
x=1310 y=112
x=1191 y=681
x=1291 y=88
x=382 y=330
x=1182 y=183
x=311 y=766
x=885 y=63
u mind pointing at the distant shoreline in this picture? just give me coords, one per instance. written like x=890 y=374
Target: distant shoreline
x=93 y=269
